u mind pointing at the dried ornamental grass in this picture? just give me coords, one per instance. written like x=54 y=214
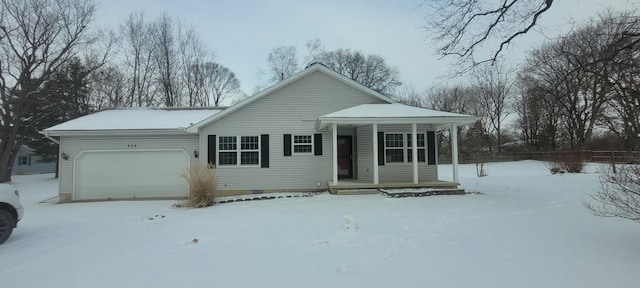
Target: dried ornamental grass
x=202 y=185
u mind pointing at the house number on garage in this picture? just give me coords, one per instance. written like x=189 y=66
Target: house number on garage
x=132 y=145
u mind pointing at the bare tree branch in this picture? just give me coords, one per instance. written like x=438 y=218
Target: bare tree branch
x=463 y=27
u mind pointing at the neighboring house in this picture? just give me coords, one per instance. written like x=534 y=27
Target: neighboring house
x=315 y=130
x=28 y=163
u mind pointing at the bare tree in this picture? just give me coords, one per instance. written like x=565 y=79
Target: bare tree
x=463 y=27
x=494 y=89
x=619 y=35
x=369 y=70
x=106 y=89
x=409 y=96
x=538 y=116
x=193 y=53
x=456 y=99
x=314 y=50
x=282 y=62
x=579 y=73
x=138 y=49
x=166 y=56
x=218 y=82
x=619 y=195
x=38 y=37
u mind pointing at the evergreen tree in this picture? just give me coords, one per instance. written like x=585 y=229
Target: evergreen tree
x=64 y=97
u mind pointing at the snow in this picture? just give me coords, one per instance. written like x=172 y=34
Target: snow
x=395 y=110
x=136 y=119
x=528 y=228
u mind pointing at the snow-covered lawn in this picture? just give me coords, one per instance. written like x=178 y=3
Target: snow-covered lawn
x=527 y=229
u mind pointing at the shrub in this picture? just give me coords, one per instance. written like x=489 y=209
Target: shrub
x=569 y=161
x=202 y=185
x=619 y=194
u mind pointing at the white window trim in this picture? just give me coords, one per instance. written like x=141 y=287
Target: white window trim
x=238 y=152
x=293 y=145
x=405 y=147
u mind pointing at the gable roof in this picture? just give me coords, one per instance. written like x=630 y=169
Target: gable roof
x=158 y=120
x=310 y=69
x=393 y=113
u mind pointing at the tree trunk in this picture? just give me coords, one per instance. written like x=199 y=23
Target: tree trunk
x=8 y=156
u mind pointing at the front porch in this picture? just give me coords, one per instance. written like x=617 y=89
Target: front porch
x=395 y=147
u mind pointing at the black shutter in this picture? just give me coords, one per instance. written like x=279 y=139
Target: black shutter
x=264 y=151
x=431 y=147
x=287 y=144
x=211 y=150
x=380 y=148
x=317 y=144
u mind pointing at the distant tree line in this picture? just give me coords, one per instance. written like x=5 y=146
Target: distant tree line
x=580 y=91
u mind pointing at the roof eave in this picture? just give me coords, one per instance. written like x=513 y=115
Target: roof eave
x=323 y=122
x=111 y=132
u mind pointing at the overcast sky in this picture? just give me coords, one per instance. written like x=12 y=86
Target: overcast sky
x=242 y=33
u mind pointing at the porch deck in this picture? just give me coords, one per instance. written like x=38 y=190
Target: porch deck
x=356 y=185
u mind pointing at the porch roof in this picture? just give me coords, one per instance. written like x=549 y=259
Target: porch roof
x=392 y=113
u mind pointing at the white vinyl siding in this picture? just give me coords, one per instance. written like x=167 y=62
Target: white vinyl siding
x=293 y=110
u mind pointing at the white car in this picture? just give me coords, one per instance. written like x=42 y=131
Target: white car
x=10 y=210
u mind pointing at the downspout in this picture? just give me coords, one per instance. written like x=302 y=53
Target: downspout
x=54 y=140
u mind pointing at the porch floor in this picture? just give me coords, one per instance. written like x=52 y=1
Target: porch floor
x=353 y=184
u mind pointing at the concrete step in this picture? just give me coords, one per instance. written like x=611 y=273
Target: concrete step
x=357 y=191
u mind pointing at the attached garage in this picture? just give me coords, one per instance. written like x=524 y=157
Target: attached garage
x=130 y=174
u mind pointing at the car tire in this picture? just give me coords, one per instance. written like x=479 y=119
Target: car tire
x=7 y=223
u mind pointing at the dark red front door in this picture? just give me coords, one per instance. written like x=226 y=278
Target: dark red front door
x=345 y=169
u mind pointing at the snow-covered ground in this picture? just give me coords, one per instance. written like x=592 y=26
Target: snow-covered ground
x=527 y=229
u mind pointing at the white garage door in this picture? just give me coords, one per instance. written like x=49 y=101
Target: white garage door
x=130 y=174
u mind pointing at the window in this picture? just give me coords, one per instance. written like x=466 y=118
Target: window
x=302 y=144
x=23 y=160
x=229 y=151
x=421 y=148
x=394 y=147
x=249 y=150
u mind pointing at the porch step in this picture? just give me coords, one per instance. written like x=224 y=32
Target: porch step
x=357 y=191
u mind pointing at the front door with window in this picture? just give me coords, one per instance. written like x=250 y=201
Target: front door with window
x=345 y=157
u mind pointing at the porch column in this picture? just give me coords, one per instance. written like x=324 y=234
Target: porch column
x=376 y=179
x=414 y=153
x=334 y=147
x=454 y=151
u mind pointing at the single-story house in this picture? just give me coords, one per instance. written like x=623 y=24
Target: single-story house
x=315 y=130
x=27 y=162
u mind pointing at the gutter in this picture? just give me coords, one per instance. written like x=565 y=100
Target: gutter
x=49 y=137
